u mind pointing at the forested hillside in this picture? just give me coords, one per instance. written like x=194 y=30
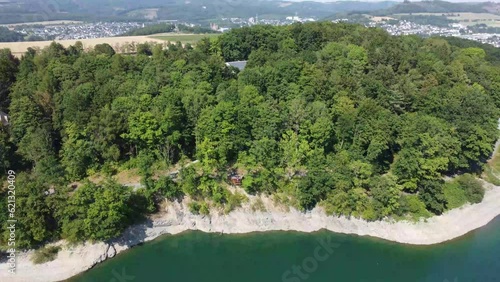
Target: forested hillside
x=355 y=120
x=439 y=6
x=199 y=11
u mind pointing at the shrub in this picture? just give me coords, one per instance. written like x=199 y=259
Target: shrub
x=189 y=181
x=248 y=184
x=413 y=206
x=204 y=210
x=370 y=214
x=108 y=169
x=258 y=205
x=168 y=188
x=45 y=254
x=474 y=191
x=455 y=195
x=194 y=207
x=431 y=194
x=337 y=203
x=234 y=201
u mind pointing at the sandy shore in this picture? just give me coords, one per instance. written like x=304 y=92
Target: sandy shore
x=74 y=260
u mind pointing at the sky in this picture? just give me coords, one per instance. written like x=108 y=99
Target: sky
x=456 y=1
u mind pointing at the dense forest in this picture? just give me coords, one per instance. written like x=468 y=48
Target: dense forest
x=165 y=27
x=350 y=118
x=483 y=28
x=441 y=21
x=7 y=35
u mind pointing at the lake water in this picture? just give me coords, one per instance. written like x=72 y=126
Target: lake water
x=295 y=257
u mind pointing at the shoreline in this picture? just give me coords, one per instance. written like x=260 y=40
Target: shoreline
x=73 y=260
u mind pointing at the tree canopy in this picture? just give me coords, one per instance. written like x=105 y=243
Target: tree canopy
x=350 y=118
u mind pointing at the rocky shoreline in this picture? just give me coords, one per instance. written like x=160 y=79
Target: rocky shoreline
x=73 y=260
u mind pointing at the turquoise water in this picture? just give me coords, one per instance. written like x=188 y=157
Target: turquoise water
x=262 y=257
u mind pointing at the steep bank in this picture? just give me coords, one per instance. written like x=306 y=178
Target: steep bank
x=73 y=260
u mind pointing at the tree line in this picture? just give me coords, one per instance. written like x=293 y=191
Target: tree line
x=167 y=27
x=350 y=118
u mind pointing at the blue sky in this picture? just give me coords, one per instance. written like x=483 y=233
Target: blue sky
x=496 y=1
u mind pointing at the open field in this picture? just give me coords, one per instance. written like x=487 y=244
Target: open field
x=378 y=19
x=465 y=18
x=474 y=16
x=118 y=43
x=184 y=38
x=122 y=44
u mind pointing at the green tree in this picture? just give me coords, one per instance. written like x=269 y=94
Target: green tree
x=77 y=154
x=295 y=153
x=105 y=49
x=431 y=193
x=8 y=69
x=96 y=212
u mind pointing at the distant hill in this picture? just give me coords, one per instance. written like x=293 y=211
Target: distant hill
x=437 y=6
x=265 y=9
x=184 y=10
x=492 y=7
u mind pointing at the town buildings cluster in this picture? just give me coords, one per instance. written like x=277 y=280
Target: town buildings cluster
x=107 y=29
x=405 y=28
x=79 y=30
x=228 y=23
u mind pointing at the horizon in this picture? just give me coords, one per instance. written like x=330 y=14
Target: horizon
x=332 y=1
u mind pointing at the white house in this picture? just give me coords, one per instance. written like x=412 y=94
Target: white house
x=4 y=118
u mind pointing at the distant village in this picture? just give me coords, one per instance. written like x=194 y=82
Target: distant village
x=79 y=30
x=454 y=29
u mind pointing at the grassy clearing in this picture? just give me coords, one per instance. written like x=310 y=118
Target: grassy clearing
x=455 y=195
x=492 y=170
x=184 y=38
x=473 y=16
x=490 y=177
x=379 y=19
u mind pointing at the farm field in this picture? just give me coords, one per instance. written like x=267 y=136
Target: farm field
x=378 y=19
x=465 y=18
x=123 y=44
x=118 y=43
x=184 y=38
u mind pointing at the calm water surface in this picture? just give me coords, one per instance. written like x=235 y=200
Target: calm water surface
x=296 y=257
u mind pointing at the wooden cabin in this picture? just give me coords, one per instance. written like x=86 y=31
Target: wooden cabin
x=235 y=179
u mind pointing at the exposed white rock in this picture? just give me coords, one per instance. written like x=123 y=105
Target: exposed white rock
x=73 y=260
